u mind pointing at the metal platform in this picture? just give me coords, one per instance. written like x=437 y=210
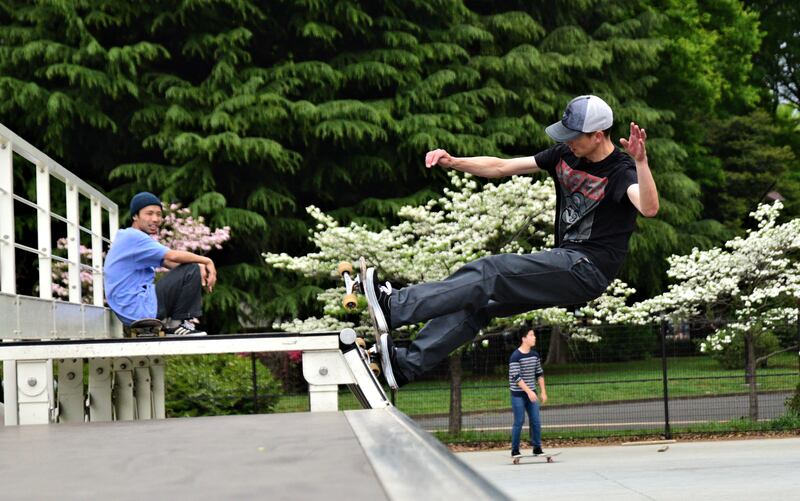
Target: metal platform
x=364 y=454
x=329 y=359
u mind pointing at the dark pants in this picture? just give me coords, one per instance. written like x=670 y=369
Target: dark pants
x=494 y=286
x=179 y=293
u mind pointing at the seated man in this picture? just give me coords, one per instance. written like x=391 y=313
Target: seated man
x=130 y=266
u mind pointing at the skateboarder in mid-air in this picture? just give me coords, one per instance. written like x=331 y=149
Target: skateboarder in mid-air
x=600 y=189
x=129 y=271
x=524 y=373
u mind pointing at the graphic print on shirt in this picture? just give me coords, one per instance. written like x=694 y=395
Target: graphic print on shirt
x=581 y=194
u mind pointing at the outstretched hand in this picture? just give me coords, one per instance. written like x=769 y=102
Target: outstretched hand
x=438 y=157
x=635 y=144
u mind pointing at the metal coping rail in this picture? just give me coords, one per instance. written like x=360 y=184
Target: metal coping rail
x=170 y=339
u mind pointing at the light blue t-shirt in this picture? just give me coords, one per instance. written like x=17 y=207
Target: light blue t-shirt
x=130 y=275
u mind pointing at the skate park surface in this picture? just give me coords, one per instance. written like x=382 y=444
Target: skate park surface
x=713 y=470
x=363 y=454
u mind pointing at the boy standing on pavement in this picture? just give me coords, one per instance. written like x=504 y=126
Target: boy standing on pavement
x=129 y=273
x=600 y=190
x=524 y=372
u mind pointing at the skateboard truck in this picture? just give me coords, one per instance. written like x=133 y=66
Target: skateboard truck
x=351 y=285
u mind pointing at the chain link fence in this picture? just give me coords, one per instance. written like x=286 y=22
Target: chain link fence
x=605 y=377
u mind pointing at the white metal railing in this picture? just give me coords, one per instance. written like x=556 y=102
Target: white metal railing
x=26 y=317
x=76 y=188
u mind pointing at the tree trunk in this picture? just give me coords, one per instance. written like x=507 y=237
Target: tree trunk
x=454 y=365
x=750 y=371
x=557 y=351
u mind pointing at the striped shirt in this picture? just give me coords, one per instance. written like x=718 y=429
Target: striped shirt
x=524 y=366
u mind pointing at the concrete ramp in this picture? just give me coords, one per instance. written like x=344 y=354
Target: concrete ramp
x=364 y=454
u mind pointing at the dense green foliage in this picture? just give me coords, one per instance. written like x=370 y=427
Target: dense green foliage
x=249 y=110
x=214 y=385
x=733 y=357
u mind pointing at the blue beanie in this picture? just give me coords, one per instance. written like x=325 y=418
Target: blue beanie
x=142 y=200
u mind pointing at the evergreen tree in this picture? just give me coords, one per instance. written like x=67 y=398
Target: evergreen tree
x=250 y=110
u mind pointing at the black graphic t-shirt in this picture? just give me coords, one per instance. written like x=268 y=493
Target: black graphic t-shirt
x=593 y=212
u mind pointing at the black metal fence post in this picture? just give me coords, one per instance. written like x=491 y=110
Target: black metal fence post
x=255 y=382
x=665 y=378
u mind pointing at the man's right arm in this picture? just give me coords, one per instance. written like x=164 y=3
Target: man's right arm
x=489 y=167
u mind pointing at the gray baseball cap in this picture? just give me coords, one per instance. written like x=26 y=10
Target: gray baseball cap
x=583 y=114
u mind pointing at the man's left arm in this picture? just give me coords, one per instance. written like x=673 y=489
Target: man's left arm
x=643 y=194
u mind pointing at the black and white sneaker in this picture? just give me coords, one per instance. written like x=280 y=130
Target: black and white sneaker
x=537 y=451
x=378 y=299
x=516 y=454
x=185 y=328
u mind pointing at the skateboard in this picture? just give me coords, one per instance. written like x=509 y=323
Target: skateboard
x=548 y=456
x=379 y=331
x=146 y=327
x=353 y=286
x=367 y=358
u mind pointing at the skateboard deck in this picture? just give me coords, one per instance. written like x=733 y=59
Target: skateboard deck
x=367 y=358
x=547 y=456
x=146 y=327
x=375 y=327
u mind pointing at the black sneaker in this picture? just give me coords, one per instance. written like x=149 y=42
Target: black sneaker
x=537 y=451
x=516 y=454
x=378 y=299
x=185 y=328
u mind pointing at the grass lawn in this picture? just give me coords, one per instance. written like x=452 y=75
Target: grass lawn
x=571 y=384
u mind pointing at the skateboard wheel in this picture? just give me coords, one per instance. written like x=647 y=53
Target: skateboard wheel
x=344 y=266
x=350 y=301
x=516 y=460
x=375 y=368
x=360 y=341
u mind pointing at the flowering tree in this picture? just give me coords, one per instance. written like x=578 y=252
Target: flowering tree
x=745 y=288
x=431 y=241
x=179 y=231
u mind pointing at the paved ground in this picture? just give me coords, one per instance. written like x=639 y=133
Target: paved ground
x=628 y=416
x=375 y=455
x=725 y=470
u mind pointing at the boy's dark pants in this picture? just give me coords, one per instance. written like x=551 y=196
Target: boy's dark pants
x=494 y=286
x=179 y=293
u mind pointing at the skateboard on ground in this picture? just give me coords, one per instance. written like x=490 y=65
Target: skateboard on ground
x=146 y=327
x=547 y=456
